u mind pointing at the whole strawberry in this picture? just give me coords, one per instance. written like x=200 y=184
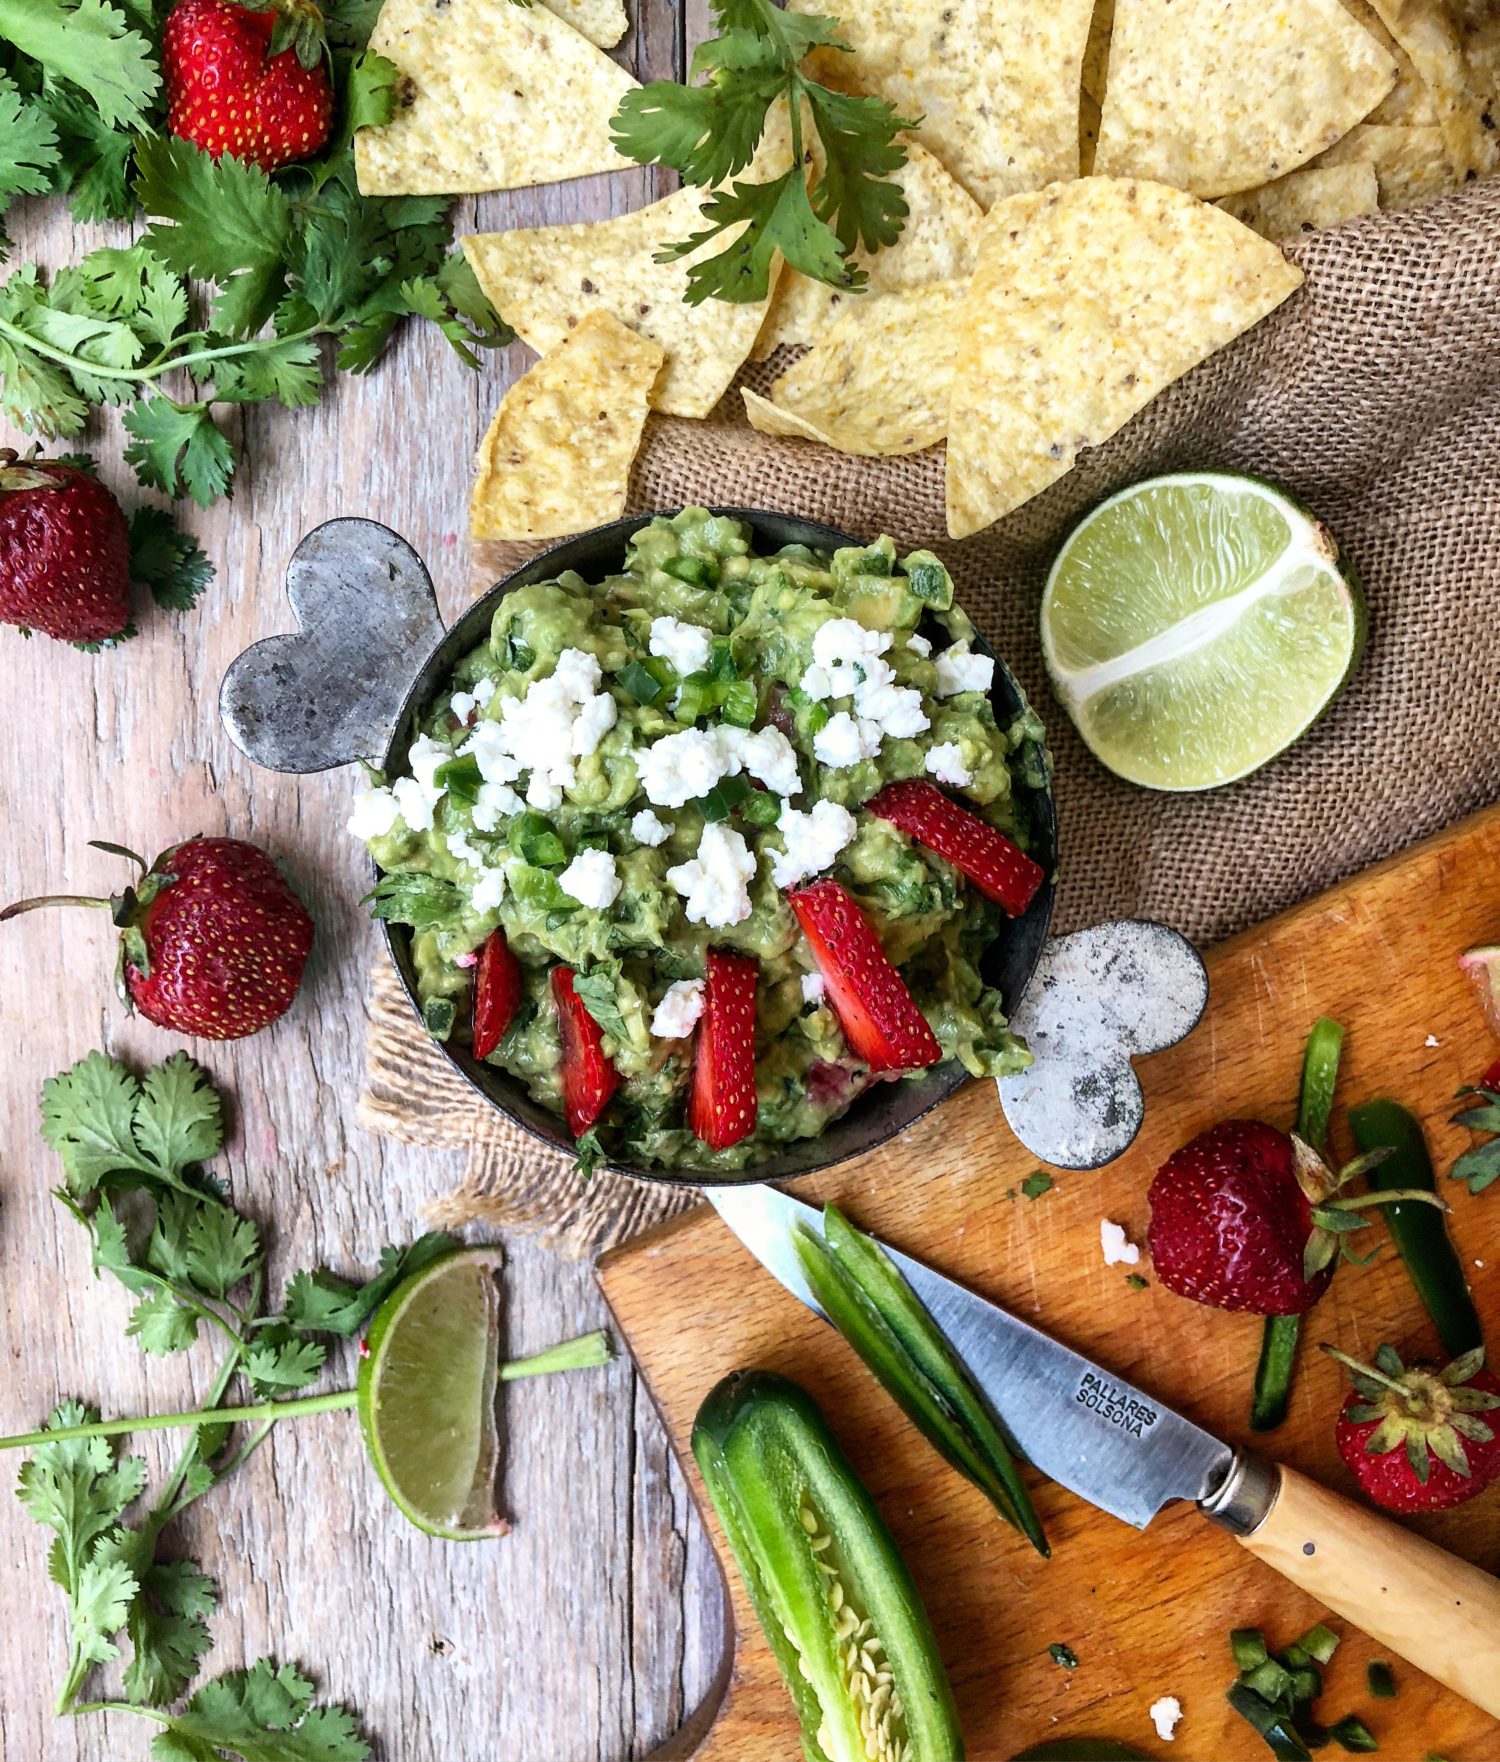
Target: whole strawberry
x=1246 y=1217
x=212 y=939
x=251 y=83
x=1414 y=1439
x=64 y=552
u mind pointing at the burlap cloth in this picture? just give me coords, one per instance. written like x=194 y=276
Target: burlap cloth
x=1374 y=395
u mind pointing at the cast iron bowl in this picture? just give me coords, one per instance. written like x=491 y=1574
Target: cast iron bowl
x=885 y=1108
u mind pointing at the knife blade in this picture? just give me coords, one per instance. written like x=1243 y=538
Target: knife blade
x=1129 y=1454
x=1077 y=1422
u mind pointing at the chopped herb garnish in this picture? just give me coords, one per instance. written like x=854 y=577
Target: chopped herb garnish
x=1063 y=1655
x=1136 y=1282
x=1035 y=1185
x=438 y=1013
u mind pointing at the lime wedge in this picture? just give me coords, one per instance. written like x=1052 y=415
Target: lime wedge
x=427 y=1386
x=1194 y=626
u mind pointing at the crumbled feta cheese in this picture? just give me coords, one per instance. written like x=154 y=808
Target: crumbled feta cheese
x=489 y=745
x=591 y=879
x=919 y=645
x=1166 y=1715
x=415 y=802
x=946 y=763
x=488 y=891
x=1432 y=1040
x=595 y=720
x=849 y=655
x=813 y=988
x=424 y=758
x=542 y=793
x=648 y=828
x=766 y=754
x=686 y=647
x=372 y=813
x=459 y=846
x=812 y=839
x=577 y=673
x=959 y=670
x=714 y=885
x=493 y=802
x=1119 y=1250
x=463 y=704
x=679 y=1010
x=678 y=767
x=844 y=740
x=484 y=690
x=896 y=708
x=817 y=684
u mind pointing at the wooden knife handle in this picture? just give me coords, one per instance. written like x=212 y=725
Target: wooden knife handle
x=1432 y=1609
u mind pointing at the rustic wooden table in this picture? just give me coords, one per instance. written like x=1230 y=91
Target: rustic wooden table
x=598 y=1624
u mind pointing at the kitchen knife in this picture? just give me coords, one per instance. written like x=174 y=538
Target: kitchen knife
x=1125 y=1452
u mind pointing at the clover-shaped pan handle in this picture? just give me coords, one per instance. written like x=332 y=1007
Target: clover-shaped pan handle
x=330 y=692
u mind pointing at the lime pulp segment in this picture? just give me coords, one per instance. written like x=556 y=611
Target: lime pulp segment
x=1195 y=626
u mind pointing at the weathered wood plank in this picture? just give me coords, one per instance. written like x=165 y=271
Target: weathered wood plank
x=588 y=1631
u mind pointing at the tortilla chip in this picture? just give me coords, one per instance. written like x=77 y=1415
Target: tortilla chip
x=1215 y=98
x=601 y=21
x=1087 y=300
x=1302 y=201
x=877 y=382
x=1410 y=164
x=1408 y=100
x=937 y=243
x=1428 y=31
x=544 y=280
x=1479 y=32
x=556 y=459
x=994 y=81
x=494 y=96
x=1095 y=72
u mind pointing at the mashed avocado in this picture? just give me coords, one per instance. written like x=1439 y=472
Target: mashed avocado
x=629 y=772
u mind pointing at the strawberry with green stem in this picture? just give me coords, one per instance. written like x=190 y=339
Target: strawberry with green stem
x=1414 y=1438
x=213 y=941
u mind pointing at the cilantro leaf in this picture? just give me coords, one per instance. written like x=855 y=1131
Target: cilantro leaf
x=95 y=158
x=168 y=1630
x=178 y=1121
x=419 y=900
x=101 y=1603
x=28 y=144
x=88 y=1117
x=221 y=220
x=162 y=1324
x=223 y=1249
x=89 y=45
x=132 y=283
x=280 y=1362
x=284 y=368
x=860 y=152
x=320 y=1302
x=770 y=217
x=79 y=1489
x=264 y=1714
x=177 y=448
x=595 y=990
x=166 y=560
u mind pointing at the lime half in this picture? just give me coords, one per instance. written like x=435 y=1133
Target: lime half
x=427 y=1386
x=1194 y=626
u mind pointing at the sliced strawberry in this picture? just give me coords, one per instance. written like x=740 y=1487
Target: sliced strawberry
x=588 y=1078
x=497 y=993
x=882 y=1024
x=989 y=859
x=722 y=1109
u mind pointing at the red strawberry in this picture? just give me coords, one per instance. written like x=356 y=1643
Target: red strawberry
x=497 y=993
x=881 y=1022
x=1414 y=1439
x=989 y=859
x=588 y=1078
x=1491 y=1078
x=64 y=552
x=722 y=1109
x=234 y=86
x=212 y=939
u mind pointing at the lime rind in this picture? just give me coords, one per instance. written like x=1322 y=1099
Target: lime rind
x=427 y=1391
x=1195 y=626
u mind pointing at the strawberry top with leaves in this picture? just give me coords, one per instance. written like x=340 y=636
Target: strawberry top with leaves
x=248 y=79
x=212 y=939
x=1416 y=1439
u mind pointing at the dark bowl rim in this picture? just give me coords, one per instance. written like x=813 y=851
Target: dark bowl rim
x=945 y=1078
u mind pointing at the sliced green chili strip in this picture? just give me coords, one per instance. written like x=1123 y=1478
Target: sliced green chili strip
x=1354 y=1735
x=835 y=1598
x=882 y=1318
x=1420 y=1234
x=1270 y=1722
x=1381 y=1683
x=1278 y=1347
x=1248 y=1645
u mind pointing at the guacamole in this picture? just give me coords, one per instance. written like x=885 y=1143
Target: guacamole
x=627 y=773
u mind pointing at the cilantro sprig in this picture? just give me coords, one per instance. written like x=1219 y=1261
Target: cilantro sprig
x=238 y=276
x=711 y=132
x=133 y=1150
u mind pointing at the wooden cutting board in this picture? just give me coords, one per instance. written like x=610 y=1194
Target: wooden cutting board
x=1147 y=1613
